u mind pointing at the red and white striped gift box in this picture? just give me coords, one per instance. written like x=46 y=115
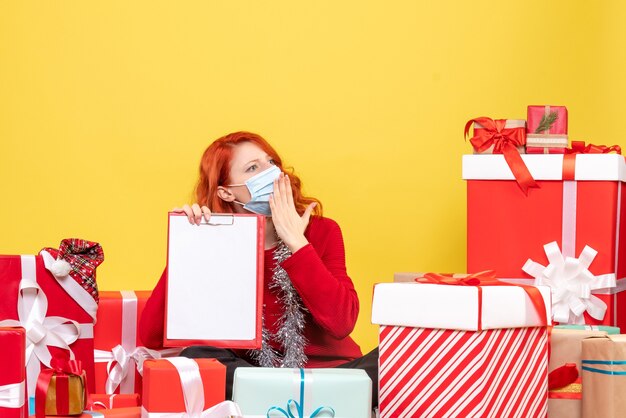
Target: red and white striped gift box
x=436 y=361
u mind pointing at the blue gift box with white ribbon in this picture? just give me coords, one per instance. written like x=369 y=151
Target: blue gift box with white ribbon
x=302 y=393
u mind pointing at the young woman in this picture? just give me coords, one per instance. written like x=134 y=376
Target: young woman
x=310 y=304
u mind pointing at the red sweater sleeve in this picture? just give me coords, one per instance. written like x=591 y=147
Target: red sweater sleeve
x=318 y=272
x=153 y=316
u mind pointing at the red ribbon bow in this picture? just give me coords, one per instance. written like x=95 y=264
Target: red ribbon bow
x=62 y=369
x=505 y=141
x=562 y=376
x=579 y=147
x=487 y=278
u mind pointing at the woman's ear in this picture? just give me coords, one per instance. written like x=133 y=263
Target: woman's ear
x=225 y=194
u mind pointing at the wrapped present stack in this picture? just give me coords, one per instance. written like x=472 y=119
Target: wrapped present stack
x=556 y=220
x=544 y=215
x=53 y=296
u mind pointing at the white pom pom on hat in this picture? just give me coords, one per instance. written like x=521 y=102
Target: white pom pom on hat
x=60 y=268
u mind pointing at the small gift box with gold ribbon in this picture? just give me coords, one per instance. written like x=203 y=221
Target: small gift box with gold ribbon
x=61 y=390
x=462 y=346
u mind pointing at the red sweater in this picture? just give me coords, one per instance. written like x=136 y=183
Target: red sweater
x=318 y=273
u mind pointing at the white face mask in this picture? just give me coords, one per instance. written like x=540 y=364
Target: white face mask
x=260 y=186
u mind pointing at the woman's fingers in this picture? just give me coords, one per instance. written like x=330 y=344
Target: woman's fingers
x=206 y=213
x=194 y=213
x=189 y=212
x=288 y=191
x=197 y=213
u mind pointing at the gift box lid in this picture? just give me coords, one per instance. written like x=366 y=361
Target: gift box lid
x=436 y=306
x=590 y=167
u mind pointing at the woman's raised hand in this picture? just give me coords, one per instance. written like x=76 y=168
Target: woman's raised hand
x=290 y=226
x=195 y=213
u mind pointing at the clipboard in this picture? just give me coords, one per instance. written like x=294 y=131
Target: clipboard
x=214 y=284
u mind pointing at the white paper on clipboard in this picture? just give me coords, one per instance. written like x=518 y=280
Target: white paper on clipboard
x=213 y=279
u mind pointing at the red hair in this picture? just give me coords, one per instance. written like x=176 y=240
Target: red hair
x=215 y=170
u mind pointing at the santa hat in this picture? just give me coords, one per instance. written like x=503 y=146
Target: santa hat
x=78 y=258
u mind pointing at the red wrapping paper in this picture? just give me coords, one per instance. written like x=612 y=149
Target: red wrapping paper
x=99 y=401
x=12 y=363
x=108 y=332
x=536 y=113
x=505 y=228
x=162 y=391
x=130 y=412
x=60 y=303
x=433 y=372
x=545 y=150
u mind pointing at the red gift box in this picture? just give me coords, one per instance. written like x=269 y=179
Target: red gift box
x=469 y=350
x=169 y=382
x=130 y=412
x=98 y=401
x=119 y=353
x=554 y=118
x=545 y=150
x=13 y=402
x=57 y=313
x=578 y=206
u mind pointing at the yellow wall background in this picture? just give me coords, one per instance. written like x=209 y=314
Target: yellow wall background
x=106 y=107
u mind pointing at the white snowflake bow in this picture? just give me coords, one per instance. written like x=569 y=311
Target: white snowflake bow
x=571 y=284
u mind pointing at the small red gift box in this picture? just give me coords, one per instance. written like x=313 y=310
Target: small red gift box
x=130 y=412
x=12 y=373
x=574 y=219
x=56 y=311
x=168 y=382
x=98 y=401
x=469 y=350
x=119 y=353
x=506 y=137
x=545 y=150
x=547 y=121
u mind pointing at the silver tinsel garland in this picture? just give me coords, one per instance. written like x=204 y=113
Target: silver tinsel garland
x=290 y=334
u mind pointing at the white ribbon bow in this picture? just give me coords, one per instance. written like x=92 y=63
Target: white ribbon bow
x=121 y=364
x=193 y=394
x=571 y=284
x=12 y=396
x=41 y=331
